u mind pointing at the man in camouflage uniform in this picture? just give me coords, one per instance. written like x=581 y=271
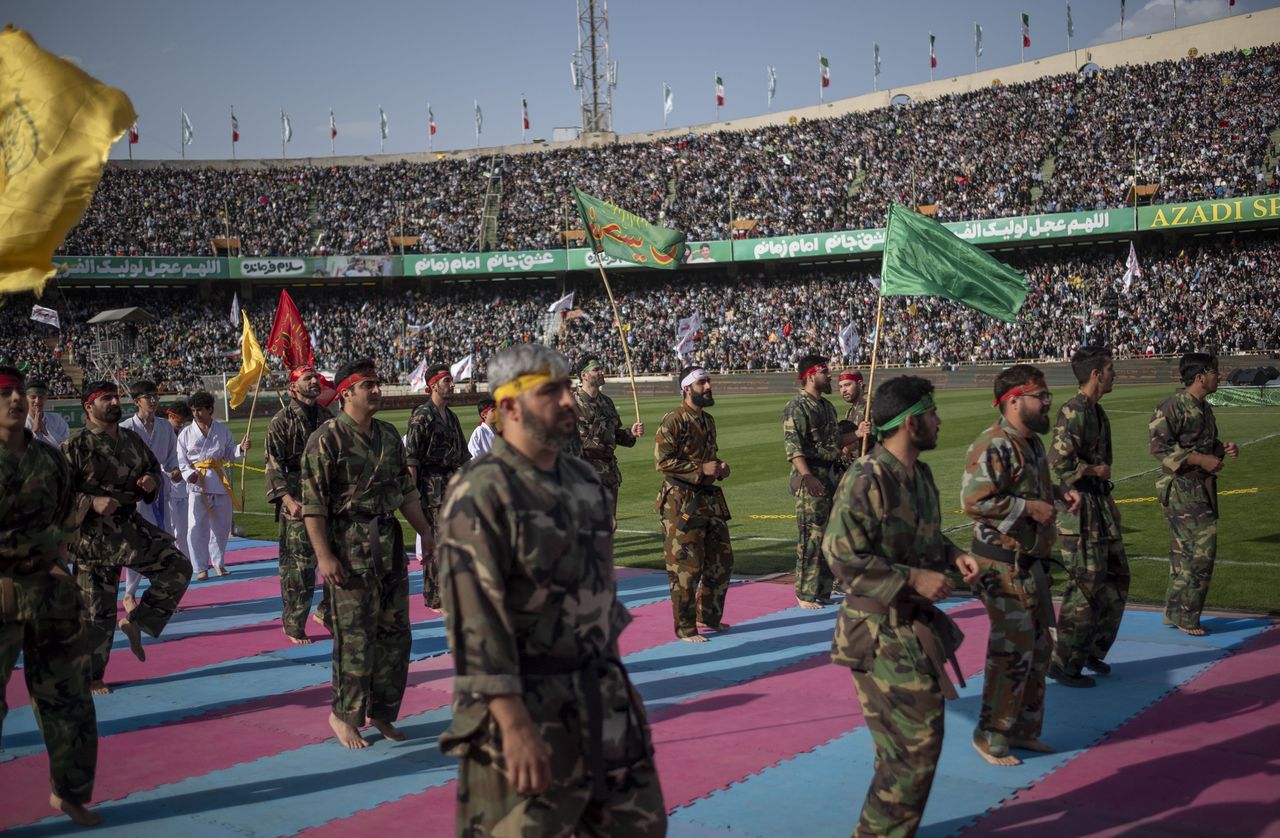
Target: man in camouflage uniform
x=1007 y=492
x=885 y=544
x=694 y=514
x=1184 y=439
x=811 y=439
x=40 y=605
x=553 y=739
x=853 y=392
x=600 y=429
x=112 y=469
x=437 y=448
x=1091 y=542
x=286 y=440
x=354 y=478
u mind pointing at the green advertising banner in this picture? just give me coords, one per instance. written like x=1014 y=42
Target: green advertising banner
x=511 y=262
x=313 y=267
x=1057 y=225
x=1208 y=213
x=140 y=267
x=695 y=253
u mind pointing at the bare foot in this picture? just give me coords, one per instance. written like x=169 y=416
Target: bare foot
x=716 y=627
x=130 y=603
x=222 y=571
x=808 y=605
x=319 y=619
x=77 y=813
x=695 y=638
x=980 y=745
x=298 y=641
x=347 y=735
x=99 y=688
x=388 y=730
x=1198 y=631
x=1032 y=745
x=135 y=638
x=202 y=575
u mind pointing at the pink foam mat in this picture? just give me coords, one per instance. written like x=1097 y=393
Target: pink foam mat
x=699 y=747
x=1200 y=761
x=244 y=555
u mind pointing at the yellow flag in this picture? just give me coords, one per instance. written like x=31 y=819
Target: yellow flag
x=57 y=124
x=253 y=365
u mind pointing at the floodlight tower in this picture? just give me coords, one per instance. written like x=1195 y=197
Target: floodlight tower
x=594 y=75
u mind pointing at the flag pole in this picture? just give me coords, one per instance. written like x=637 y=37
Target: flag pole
x=617 y=318
x=249 y=429
x=875 y=350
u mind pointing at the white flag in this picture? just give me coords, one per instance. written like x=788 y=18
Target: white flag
x=461 y=371
x=563 y=304
x=684 y=347
x=1132 y=268
x=479 y=119
x=40 y=314
x=849 y=339
x=235 y=309
x=286 y=128
x=773 y=83
x=187 y=133
x=382 y=122
x=418 y=378
x=687 y=327
x=667 y=103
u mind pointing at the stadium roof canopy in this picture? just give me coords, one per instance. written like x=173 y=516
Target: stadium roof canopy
x=122 y=315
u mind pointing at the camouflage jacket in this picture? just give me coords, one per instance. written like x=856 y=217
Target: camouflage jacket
x=884 y=522
x=349 y=479
x=1003 y=470
x=811 y=430
x=1082 y=438
x=857 y=411
x=437 y=448
x=685 y=440
x=526 y=567
x=287 y=438
x=600 y=431
x=1182 y=425
x=35 y=504
x=106 y=467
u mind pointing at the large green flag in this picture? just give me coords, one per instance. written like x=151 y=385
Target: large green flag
x=628 y=237
x=923 y=258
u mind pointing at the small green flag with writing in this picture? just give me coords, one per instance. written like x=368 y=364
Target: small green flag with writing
x=923 y=258
x=628 y=237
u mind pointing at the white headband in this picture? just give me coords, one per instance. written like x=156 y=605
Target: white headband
x=693 y=377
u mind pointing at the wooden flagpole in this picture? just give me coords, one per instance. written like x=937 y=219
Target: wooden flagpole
x=871 y=374
x=617 y=318
x=249 y=430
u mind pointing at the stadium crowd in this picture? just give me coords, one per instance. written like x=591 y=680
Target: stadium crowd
x=1199 y=128
x=1214 y=294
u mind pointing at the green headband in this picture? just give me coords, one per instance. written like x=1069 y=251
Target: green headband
x=923 y=406
x=589 y=366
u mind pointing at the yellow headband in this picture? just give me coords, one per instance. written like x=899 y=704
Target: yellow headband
x=523 y=383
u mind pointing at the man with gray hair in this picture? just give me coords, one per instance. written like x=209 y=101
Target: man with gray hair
x=531 y=606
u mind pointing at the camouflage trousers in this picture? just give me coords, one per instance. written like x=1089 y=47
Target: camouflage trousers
x=699 y=565
x=50 y=635
x=298 y=579
x=431 y=561
x=1018 y=654
x=1093 y=601
x=369 y=618
x=903 y=707
x=489 y=806
x=1192 y=551
x=168 y=573
x=813 y=575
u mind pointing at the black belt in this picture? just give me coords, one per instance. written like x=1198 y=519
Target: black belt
x=920 y=615
x=687 y=486
x=1093 y=486
x=814 y=462
x=434 y=469
x=591 y=670
x=1023 y=562
x=375 y=523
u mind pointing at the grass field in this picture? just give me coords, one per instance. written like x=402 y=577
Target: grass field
x=750 y=427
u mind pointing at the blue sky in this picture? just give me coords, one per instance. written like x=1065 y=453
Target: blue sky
x=306 y=56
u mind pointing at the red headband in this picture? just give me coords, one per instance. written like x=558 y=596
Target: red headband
x=97 y=394
x=1008 y=395
x=355 y=378
x=849 y=375
x=433 y=380
x=11 y=382
x=298 y=372
x=815 y=368
x=173 y=414
x=486 y=411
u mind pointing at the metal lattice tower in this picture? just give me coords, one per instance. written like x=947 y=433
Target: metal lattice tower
x=594 y=75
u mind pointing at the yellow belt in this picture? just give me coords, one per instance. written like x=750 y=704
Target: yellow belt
x=216 y=466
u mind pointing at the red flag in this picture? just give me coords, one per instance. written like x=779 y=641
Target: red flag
x=235 y=128
x=133 y=134
x=431 y=121
x=289 y=339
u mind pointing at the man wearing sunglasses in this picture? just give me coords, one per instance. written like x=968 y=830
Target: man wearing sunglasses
x=1007 y=492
